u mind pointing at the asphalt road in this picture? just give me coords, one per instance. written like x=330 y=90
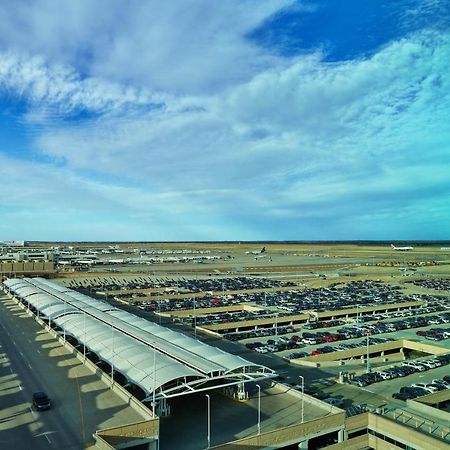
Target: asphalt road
x=32 y=360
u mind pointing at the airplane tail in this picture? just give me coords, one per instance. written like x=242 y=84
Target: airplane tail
x=393 y=246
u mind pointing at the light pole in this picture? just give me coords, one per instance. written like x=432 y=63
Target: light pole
x=112 y=358
x=276 y=324
x=154 y=382
x=259 y=409
x=209 y=420
x=303 y=394
x=368 y=361
x=64 y=330
x=84 y=335
x=195 y=320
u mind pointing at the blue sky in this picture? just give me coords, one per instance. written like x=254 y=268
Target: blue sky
x=235 y=120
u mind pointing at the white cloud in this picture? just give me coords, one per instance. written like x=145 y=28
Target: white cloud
x=268 y=143
x=62 y=89
x=155 y=44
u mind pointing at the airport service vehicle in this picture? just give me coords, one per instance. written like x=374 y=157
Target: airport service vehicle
x=40 y=401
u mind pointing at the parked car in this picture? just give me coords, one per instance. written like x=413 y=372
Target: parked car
x=335 y=401
x=403 y=395
x=425 y=386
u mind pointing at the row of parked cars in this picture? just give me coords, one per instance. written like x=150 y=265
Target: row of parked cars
x=331 y=400
x=406 y=368
x=431 y=305
x=410 y=319
x=440 y=285
x=361 y=330
x=260 y=332
x=435 y=334
x=294 y=301
x=420 y=389
x=284 y=329
x=344 y=333
x=274 y=345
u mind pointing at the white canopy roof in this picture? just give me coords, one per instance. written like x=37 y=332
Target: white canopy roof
x=147 y=354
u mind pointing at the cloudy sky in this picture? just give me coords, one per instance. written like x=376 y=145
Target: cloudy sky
x=224 y=119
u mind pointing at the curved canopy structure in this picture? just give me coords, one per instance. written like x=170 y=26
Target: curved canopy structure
x=162 y=362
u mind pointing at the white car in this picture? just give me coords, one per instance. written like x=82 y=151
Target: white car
x=428 y=364
x=414 y=365
x=384 y=375
x=441 y=382
x=428 y=388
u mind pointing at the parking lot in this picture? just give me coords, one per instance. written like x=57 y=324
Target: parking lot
x=31 y=360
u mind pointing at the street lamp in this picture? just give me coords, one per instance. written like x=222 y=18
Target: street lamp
x=276 y=324
x=259 y=409
x=368 y=361
x=303 y=394
x=64 y=330
x=112 y=357
x=195 y=320
x=154 y=382
x=209 y=420
x=84 y=335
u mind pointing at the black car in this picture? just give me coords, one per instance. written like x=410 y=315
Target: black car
x=40 y=401
x=403 y=395
x=415 y=392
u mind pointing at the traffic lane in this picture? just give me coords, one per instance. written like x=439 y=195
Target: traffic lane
x=53 y=428
x=86 y=402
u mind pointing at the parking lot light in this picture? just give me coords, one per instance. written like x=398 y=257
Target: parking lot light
x=368 y=359
x=195 y=320
x=259 y=409
x=209 y=420
x=303 y=394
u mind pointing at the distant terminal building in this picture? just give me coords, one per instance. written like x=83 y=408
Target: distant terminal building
x=17 y=260
x=12 y=243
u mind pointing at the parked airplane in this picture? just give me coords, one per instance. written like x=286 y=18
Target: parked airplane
x=263 y=250
x=401 y=249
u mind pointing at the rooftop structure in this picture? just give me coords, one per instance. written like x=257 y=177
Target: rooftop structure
x=161 y=362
